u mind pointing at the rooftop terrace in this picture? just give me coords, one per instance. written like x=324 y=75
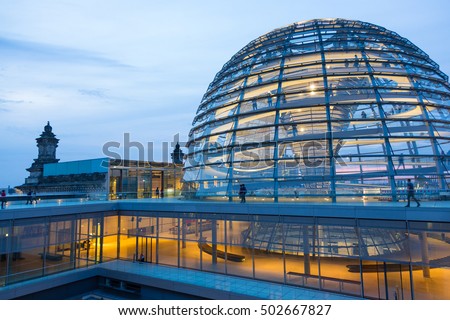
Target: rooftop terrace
x=431 y=217
x=429 y=211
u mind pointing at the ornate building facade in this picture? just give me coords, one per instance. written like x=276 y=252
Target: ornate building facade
x=102 y=178
x=47 y=144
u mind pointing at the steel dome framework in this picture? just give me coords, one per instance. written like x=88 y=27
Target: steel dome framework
x=324 y=108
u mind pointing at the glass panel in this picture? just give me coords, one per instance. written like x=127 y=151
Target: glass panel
x=251 y=153
x=238 y=243
x=429 y=253
x=256 y=120
x=261 y=91
x=27 y=247
x=258 y=67
x=373 y=273
x=168 y=232
x=5 y=245
x=398 y=281
x=267 y=239
x=110 y=248
x=256 y=135
x=190 y=241
x=225 y=112
x=302 y=71
x=302 y=59
x=302 y=263
x=211 y=243
x=310 y=86
x=263 y=78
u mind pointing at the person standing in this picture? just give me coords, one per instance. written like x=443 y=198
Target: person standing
x=269 y=101
x=411 y=193
x=401 y=161
x=34 y=198
x=3 y=196
x=254 y=105
x=157 y=192
x=29 y=198
x=242 y=193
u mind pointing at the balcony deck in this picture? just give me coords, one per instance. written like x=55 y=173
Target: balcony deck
x=432 y=211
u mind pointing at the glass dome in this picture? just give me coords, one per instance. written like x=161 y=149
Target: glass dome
x=323 y=109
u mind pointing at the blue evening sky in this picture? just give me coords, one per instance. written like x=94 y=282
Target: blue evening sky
x=97 y=69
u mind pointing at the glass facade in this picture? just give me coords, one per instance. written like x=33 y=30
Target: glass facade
x=76 y=167
x=329 y=108
x=131 y=179
x=371 y=258
x=113 y=179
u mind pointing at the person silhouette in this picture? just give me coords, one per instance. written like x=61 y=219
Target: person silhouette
x=34 y=198
x=269 y=101
x=260 y=80
x=29 y=198
x=356 y=63
x=242 y=193
x=411 y=193
x=401 y=161
x=3 y=196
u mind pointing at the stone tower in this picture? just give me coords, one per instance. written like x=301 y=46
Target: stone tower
x=47 y=144
x=177 y=155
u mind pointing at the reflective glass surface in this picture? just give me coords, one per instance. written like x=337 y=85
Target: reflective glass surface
x=324 y=108
x=371 y=258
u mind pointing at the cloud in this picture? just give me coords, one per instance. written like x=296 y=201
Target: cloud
x=96 y=93
x=6 y=101
x=4 y=104
x=17 y=49
x=10 y=101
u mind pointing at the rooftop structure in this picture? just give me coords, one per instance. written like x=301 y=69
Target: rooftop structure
x=329 y=108
x=324 y=109
x=47 y=144
x=105 y=178
x=217 y=250
x=177 y=155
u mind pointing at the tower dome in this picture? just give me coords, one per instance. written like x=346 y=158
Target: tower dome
x=48 y=128
x=326 y=108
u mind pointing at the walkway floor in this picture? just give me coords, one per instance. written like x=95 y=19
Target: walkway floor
x=71 y=202
x=236 y=285
x=197 y=283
